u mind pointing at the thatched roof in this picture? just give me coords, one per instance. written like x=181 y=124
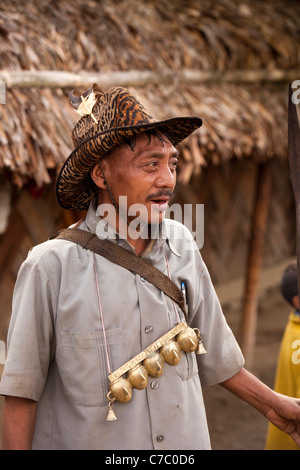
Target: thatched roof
x=241 y=119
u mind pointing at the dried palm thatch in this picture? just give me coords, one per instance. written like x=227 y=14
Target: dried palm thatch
x=241 y=120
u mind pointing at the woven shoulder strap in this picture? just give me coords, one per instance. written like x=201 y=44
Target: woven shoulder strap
x=129 y=260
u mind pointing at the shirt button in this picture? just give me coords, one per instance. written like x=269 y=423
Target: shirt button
x=142 y=279
x=154 y=385
x=148 y=329
x=160 y=438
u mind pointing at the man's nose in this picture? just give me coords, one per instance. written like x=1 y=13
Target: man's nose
x=166 y=178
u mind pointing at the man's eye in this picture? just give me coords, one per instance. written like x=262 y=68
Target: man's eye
x=152 y=164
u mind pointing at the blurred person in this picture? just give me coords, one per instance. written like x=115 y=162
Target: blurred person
x=287 y=380
x=78 y=318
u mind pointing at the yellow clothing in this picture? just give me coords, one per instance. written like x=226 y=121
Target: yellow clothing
x=287 y=380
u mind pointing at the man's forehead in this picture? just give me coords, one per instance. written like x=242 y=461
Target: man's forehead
x=146 y=145
x=141 y=146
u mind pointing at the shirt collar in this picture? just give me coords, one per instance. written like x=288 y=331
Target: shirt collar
x=159 y=234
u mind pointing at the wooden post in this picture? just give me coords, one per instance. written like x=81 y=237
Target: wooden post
x=259 y=225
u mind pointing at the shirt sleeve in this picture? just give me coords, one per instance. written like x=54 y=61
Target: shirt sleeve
x=224 y=357
x=30 y=337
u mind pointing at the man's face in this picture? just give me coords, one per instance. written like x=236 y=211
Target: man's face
x=145 y=175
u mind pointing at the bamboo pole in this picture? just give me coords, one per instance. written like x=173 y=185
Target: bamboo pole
x=259 y=225
x=63 y=79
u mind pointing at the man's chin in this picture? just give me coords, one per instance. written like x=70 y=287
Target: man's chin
x=157 y=218
x=158 y=212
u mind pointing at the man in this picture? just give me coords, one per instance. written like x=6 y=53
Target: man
x=288 y=369
x=78 y=317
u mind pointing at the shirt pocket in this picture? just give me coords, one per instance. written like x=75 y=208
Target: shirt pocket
x=187 y=366
x=83 y=364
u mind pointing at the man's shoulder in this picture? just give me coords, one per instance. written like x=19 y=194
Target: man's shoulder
x=50 y=249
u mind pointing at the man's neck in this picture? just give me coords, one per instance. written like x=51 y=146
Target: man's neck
x=139 y=245
x=140 y=236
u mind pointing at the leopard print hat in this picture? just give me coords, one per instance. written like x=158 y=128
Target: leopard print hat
x=107 y=120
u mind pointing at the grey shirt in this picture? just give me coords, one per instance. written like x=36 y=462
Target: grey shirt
x=56 y=353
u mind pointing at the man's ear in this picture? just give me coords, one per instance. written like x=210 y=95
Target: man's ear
x=98 y=177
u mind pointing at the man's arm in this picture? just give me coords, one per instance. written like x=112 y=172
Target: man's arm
x=18 y=423
x=282 y=411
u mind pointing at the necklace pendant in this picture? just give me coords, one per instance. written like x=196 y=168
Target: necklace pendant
x=111 y=414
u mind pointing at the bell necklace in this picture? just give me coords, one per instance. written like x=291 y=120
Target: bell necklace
x=151 y=361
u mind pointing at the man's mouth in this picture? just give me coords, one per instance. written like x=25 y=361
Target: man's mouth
x=160 y=203
x=161 y=200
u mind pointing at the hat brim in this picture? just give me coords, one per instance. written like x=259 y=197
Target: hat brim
x=74 y=186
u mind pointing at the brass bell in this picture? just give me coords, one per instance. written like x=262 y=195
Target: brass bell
x=154 y=364
x=111 y=414
x=200 y=348
x=138 y=377
x=171 y=352
x=188 y=340
x=121 y=390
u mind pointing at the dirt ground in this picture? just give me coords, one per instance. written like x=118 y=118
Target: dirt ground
x=233 y=424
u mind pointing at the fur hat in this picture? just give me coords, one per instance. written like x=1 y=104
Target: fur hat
x=108 y=119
